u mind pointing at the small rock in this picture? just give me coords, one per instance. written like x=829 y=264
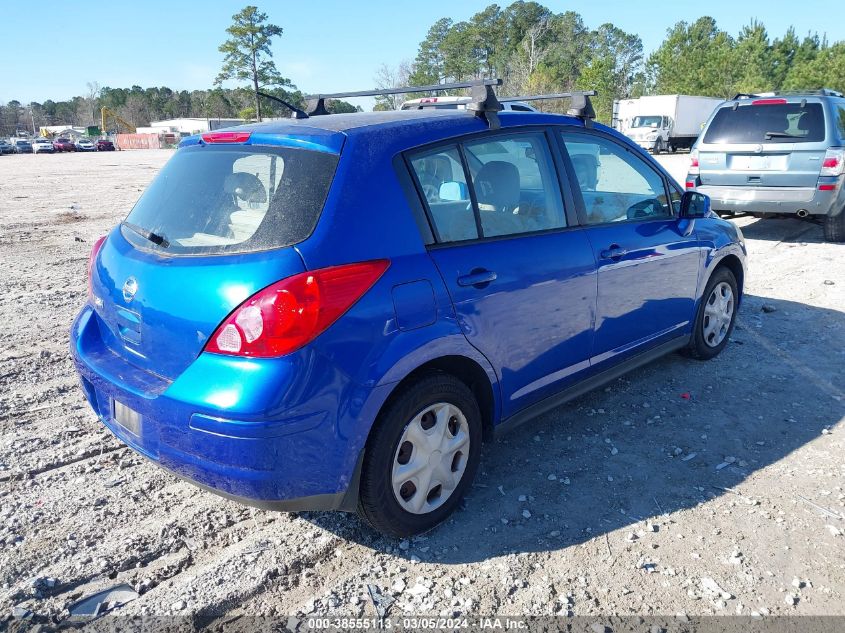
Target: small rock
x=797 y=583
x=404 y=545
x=614 y=451
x=829 y=282
x=522 y=498
x=398 y=586
x=179 y=605
x=791 y=599
x=552 y=477
x=768 y=309
x=526 y=514
x=419 y=590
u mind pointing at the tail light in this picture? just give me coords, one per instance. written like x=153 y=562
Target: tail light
x=95 y=250
x=833 y=163
x=758 y=102
x=293 y=312
x=694 y=168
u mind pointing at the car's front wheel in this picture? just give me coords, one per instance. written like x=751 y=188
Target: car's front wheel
x=421 y=456
x=716 y=315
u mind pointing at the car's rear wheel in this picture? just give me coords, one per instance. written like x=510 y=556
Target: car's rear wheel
x=716 y=316
x=421 y=456
x=834 y=227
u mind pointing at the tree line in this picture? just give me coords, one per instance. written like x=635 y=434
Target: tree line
x=533 y=49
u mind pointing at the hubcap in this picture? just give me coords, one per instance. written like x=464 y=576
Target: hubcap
x=431 y=458
x=718 y=314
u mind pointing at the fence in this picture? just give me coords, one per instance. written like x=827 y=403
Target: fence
x=138 y=141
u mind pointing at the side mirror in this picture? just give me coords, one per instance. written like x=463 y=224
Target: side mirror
x=694 y=205
x=453 y=191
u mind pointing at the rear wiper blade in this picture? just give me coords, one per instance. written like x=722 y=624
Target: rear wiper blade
x=780 y=135
x=155 y=238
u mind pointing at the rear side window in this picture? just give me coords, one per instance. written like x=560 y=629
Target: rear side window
x=513 y=181
x=769 y=123
x=220 y=199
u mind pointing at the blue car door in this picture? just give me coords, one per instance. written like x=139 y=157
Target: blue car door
x=520 y=274
x=647 y=259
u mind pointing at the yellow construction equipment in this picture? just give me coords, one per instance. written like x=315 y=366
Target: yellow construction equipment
x=107 y=115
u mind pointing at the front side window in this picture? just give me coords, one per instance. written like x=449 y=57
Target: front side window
x=615 y=184
x=511 y=176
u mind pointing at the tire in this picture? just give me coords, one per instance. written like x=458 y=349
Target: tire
x=704 y=344
x=388 y=507
x=658 y=146
x=834 y=227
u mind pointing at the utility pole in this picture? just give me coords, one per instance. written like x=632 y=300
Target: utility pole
x=32 y=117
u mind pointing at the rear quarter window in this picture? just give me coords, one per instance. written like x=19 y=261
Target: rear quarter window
x=770 y=123
x=219 y=199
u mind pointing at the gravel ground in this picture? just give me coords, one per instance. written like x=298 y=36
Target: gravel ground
x=684 y=487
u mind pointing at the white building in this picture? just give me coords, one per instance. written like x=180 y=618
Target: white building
x=188 y=126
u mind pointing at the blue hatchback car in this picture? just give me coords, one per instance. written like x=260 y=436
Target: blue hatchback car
x=333 y=313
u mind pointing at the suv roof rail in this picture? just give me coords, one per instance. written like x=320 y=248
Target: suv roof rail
x=822 y=92
x=482 y=100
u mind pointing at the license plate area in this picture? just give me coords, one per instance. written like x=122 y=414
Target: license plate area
x=766 y=162
x=127 y=418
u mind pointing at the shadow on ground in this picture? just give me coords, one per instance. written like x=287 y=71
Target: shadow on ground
x=784 y=229
x=774 y=388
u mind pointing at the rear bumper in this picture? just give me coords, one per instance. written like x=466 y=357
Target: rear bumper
x=273 y=433
x=789 y=200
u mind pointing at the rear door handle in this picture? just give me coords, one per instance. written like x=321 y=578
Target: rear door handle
x=478 y=278
x=614 y=252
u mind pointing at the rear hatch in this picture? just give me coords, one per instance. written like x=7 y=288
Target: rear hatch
x=764 y=143
x=216 y=225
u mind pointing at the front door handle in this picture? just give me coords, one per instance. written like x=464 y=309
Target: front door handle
x=479 y=278
x=614 y=252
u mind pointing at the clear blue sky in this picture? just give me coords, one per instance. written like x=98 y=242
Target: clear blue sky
x=328 y=45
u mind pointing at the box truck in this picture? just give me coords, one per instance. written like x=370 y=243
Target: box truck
x=663 y=122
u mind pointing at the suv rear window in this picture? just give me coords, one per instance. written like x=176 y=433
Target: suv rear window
x=222 y=199
x=769 y=123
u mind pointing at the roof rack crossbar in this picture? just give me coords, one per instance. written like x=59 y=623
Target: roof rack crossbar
x=581 y=106
x=556 y=95
x=320 y=106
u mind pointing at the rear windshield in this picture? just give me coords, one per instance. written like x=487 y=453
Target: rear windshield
x=222 y=199
x=770 y=123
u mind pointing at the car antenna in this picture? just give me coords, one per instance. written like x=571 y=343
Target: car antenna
x=296 y=113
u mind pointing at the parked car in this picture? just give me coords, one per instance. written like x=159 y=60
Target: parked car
x=21 y=146
x=459 y=103
x=64 y=145
x=85 y=145
x=6 y=147
x=333 y=313
x=776 y=154
x=42 y=146
x=105 y=145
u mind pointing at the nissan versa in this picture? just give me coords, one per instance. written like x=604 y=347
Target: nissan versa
x=334 y=312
